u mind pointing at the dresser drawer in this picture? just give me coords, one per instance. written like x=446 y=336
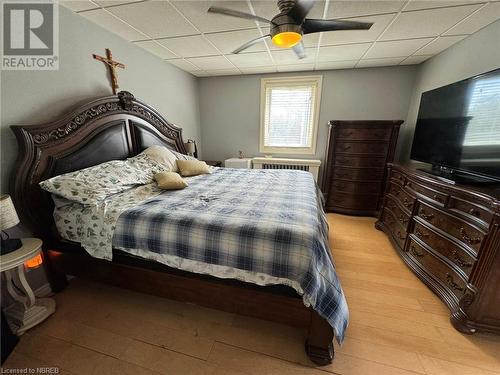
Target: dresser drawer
x=398 y=177
x=350 y=200
x=358 y=174
x=458 y=228
x=375 y=134
x=406 y=200
x=461 y=258
x=356 y=187
x=359 y=162
x=370 y=148
x=435 y=196
x=396 y=230
x=479 y=213
x=402 y=217
x=440 y=271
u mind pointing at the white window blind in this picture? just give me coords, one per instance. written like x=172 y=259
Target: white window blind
x=484 y=110
x=289 y=118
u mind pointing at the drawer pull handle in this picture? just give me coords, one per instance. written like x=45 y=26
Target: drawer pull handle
x=475 y=212
x=426 y=216
x=400 y=236
x=470 y=240
x=419 y=233
x=345 y=148
x=346 y=134
x=402 y=219
x=459 y=260
x=452 y=284
x=415 y=252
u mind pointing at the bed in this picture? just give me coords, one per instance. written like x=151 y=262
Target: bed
x=205 y=250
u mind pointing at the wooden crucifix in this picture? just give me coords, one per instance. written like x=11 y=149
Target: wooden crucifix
x=112 y=65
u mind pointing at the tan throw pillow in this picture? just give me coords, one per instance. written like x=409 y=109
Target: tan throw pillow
x=192 y=167
x=170 y=181
x=162 y=155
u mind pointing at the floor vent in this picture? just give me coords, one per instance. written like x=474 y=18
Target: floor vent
x=308 y=165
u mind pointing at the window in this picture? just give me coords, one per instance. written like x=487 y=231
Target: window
x=289 y=114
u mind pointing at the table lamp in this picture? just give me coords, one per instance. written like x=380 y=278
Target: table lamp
x=8 y=219
x=190 y=147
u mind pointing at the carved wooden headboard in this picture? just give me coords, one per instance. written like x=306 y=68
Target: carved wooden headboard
x=109 y=128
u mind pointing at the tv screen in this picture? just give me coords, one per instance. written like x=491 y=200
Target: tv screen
x=458 y=126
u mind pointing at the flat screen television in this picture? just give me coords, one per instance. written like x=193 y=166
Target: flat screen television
x=458 y=128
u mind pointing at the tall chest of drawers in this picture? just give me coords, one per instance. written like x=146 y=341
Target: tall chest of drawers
x=357 y=152
x=449 y=235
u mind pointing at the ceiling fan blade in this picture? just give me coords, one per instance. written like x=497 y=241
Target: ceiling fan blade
x=299 y=50
x=238 y=14
x=300 y=10
x=315 y=26
x=250 y=43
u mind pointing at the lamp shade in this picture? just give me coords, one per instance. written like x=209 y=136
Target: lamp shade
x=190 y=147
x=8 y=214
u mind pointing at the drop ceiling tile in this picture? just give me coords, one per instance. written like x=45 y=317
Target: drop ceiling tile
x=227 y=42
x=260 y=69
x=397 y=48
x=211 y=63
x=196 y=12
x=425 y=23
x=155 y=18
x=414 y=60
x=156 y=49
x=379 y=62
x=358 y=36
x=295 y=68
x=336 y=65
x=440 y=44
x=250 y=60
x=78 y=6
x=357 y=8
x=108 y=22
x=110 y=3
x=190 y=46
x=269 y=8
x=223 y=72
x=342 y=53
x=478 y=20
x=429 y=4
x=288 y=57
x=184 y=65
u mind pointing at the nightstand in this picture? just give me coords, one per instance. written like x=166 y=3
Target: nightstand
x=27 y=311
x=238 y=163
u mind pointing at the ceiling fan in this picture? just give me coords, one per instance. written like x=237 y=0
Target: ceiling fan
x=288 y=27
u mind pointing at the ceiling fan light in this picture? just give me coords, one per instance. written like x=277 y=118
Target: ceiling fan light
x=287 y=39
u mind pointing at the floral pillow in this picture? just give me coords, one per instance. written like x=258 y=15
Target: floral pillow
x=94 y=184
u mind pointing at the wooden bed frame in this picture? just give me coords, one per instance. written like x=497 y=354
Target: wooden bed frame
x=117 y=127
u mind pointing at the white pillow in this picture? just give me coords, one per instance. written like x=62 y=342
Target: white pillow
x=163 y=156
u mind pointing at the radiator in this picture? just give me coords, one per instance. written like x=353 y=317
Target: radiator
x=308 y=165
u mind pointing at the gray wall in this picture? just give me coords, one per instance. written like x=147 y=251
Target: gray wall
x=31 y=97
x=230 y=106
x=475 y=54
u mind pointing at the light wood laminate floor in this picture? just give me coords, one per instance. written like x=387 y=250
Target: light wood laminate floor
x=397 y=327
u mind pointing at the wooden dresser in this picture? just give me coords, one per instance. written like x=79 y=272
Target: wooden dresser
x=356 y=155
x=449 y=235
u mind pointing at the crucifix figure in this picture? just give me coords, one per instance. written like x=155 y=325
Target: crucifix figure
x=108 y=60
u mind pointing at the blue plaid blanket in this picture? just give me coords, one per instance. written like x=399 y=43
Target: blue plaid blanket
x=261 y=221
